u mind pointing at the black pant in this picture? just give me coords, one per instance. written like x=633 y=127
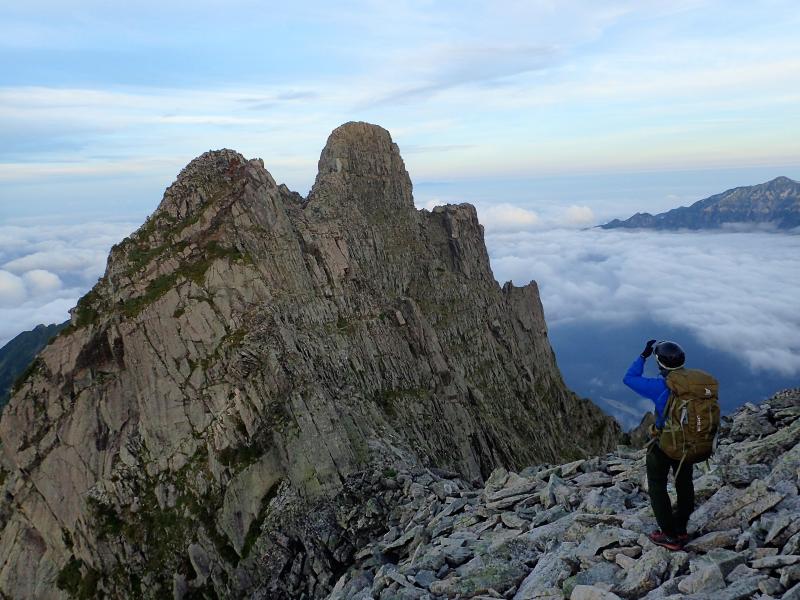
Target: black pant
x=658 y=467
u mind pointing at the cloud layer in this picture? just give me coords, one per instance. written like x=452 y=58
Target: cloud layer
x=737 y=292
x=45 y=268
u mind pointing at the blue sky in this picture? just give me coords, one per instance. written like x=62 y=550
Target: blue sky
x=98 y=96
x=548 y=116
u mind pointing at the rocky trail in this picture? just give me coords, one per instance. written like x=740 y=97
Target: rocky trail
x=579 y=530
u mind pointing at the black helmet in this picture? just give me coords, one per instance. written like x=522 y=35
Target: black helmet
x=669 y=355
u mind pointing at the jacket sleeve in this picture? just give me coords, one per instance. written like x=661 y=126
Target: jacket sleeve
x=649 y=387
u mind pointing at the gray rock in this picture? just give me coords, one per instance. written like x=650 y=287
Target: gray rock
x=740 y=572
x=590 y=592
x=714 y=539
x=602 y=537
x=645 y=575
x=774 y=562
x=610 y=554
x=602 y=572
x=591 y=479
x=789 y=575
x=425 y=578
x=555 y=492
x=550 y=571
x=751 y=425
x=742 y=475
x=668 y=589
x=726 y=560
x=741 y=589
x=705 y=576
x=731 y=507
x=792 y=594
x=771 y=586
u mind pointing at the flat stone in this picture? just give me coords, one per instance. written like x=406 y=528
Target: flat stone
x=763 y=553
x=590 y=592
x=625 y=561
x=630 y=551
x=731 y=507
x=774 y=562
x=548 y=516
x=740 y=572
x=540 y=537
x=514 y=486
x=602 y=537
x=714 y=539
x=792 y=545
x=741 y=589
x=595 y=478
x=512 y=521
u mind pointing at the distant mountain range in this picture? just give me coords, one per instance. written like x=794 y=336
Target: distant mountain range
x=775 y=202
x=17 y=354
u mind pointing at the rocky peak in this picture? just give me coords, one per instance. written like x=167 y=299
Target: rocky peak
x=198 y=183
x=361 y=163
x=246 y=354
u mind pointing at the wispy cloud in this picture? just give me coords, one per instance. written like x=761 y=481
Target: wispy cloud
x=446 y=67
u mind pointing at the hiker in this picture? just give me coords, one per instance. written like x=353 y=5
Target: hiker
x=687 y=419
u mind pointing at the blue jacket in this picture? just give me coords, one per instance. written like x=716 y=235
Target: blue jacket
x=654 y=388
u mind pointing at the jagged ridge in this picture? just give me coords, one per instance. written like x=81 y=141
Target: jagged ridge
x=246 y=352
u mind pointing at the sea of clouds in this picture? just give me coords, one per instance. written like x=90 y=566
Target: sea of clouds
x=46 y=266
x=737 y=292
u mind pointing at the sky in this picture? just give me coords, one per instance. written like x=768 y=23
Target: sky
x=549 y=116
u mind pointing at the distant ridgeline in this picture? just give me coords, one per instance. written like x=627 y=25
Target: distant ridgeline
x=17 y=354
x=775 y=202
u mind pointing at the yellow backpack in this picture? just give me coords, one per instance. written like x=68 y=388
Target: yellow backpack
x=691 y=416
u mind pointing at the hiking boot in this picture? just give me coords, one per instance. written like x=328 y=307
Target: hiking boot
x=683 y=538
x=666 y=541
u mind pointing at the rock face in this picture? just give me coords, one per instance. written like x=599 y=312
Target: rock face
x=246 y=357
x=504 y=540
x=776 y=202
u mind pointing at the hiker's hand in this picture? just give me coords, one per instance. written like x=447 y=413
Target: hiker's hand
x=648 y=350
x=652 y=431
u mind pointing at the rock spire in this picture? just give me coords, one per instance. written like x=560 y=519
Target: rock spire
x=246 y=354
